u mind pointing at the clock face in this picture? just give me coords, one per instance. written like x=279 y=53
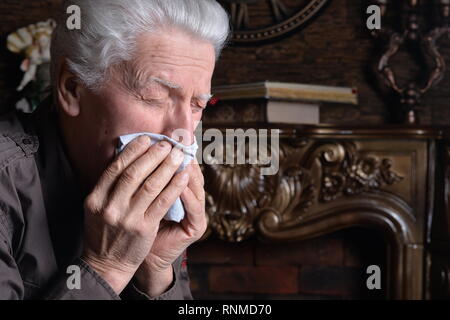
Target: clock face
x=259 y=20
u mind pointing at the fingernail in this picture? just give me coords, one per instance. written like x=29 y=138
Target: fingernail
x=163 y=144
x=145 y=140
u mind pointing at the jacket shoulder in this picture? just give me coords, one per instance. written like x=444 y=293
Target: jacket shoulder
x=16 y=145
x=16 y=141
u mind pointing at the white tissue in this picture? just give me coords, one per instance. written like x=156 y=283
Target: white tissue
x=176 y=212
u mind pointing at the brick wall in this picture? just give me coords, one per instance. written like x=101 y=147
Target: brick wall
x=335 y=49
x=329 y=267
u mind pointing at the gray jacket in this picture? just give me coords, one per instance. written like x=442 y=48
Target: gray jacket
x=41 y=218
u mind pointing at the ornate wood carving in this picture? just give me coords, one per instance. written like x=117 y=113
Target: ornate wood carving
x=258 y=20
x=423 y=44
x=331 y=179
x=239 y=194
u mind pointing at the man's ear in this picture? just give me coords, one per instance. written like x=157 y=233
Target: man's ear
x=69 y=91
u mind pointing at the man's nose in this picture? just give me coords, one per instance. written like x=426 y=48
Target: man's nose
x=180 y=125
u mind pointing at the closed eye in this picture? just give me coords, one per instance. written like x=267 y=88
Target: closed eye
x=155 y=102
x=197 y=108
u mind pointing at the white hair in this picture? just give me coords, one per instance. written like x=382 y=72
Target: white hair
x=109 y=29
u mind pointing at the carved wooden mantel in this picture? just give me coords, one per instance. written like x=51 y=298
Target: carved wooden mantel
x=334 y=178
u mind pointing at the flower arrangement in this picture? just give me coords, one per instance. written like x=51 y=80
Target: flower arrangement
x=33 y=43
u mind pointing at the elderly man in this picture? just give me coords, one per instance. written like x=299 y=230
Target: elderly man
x=69 y=206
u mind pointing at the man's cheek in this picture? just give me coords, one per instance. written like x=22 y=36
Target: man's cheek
x=197 y=118
x=141 y=122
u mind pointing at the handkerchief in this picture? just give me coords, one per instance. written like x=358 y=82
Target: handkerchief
x=176 y=212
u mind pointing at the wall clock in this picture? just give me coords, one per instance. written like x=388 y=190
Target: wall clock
x=260 y=20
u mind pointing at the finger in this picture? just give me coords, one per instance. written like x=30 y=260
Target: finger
x=193 y=199
x=154 y=184
x=134 y=150
x=196 y=167
x=134 y=176
x=159 y=207
x=196 y=181
x=195 y=220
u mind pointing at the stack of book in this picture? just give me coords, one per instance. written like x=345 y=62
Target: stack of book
x=276 y=102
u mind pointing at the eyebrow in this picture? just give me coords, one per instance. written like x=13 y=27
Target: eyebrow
x=203 y=97
x=165 y=83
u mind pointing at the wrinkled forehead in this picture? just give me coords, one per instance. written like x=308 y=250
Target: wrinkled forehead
x=176 y=48
x=174 y=61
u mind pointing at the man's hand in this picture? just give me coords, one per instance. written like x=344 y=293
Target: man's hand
x=174 y=238
x=124 y=211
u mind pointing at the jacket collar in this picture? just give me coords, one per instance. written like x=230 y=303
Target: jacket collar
x=61 y=191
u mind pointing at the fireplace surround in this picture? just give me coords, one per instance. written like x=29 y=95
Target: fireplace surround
x=392 y=180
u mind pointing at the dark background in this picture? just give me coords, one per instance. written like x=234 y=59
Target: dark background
x=333 y=49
